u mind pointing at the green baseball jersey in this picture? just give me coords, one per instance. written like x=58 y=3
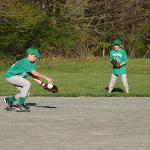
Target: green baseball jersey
x=22 y=67
x=120 y=56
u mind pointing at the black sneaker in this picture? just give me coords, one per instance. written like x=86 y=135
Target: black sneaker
x=22 y=108
x=6 y=101
x=8 y=108
x=26 y=106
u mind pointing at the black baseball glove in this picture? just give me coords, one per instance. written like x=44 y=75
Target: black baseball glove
x=54 y=88
x=115 y=63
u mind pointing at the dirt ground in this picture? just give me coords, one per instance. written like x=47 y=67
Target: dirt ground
x=77 y=123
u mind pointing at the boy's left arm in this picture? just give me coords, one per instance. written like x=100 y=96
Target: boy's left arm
x=37 y=80
x=123 y=63
x=125 y=58
x=39 y=75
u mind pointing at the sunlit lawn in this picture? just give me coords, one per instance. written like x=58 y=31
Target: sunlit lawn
x=88 y=78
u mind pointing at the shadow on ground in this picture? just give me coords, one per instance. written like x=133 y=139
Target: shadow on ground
x=116 y=90
x=37 y=105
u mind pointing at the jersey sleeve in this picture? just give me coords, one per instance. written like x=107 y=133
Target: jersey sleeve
x=125 y=58
x=110 y=56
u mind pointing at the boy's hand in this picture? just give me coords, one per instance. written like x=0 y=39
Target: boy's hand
x=49 y=80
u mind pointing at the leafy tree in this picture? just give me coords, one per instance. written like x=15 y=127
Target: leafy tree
x=74 y=27
x=19 y=21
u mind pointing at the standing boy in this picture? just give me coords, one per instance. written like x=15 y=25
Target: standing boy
x=16 y=75
x=118 y=58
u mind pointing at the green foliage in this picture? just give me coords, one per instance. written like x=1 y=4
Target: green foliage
x=56 y=36
x=104 y=44
x=143 y=40
x=27 y=25
x=73 y=28
x=140 y=41
x=22 y=22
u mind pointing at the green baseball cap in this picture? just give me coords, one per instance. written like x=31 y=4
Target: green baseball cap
x=117 y=42
x=33 y=51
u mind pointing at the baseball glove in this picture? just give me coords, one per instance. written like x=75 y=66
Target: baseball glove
x=54 y=89
x=115 y=63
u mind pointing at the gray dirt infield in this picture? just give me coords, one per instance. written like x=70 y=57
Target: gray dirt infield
x=81 y=123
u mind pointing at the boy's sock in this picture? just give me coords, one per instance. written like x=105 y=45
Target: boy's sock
x=21 y=100
x=12 y=99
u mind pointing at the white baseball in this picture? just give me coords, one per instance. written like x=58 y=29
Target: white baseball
x=50 y=85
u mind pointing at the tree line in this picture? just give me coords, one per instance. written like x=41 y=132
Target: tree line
x=74 y=27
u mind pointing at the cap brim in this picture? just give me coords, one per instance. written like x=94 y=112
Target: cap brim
x=116 y=44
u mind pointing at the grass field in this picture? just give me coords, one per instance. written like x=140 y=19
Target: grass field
x=88 y=78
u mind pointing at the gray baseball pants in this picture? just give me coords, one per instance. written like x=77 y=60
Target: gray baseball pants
x=114 y=79
x=22 y=84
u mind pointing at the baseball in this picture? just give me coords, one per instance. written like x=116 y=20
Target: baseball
x=50 y=85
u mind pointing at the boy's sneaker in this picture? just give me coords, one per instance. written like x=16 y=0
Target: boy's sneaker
x=6 y=101
x=127 y=90
x=26 y=106
x=22 y=108
x=8 y=108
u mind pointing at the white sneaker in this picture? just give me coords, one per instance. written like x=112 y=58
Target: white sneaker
x=110 y=90
x=127 y=90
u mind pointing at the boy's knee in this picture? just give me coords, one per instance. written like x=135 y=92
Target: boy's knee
x=113 y=82
x=28 y=84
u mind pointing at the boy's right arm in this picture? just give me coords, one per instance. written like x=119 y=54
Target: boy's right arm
x=39 y=75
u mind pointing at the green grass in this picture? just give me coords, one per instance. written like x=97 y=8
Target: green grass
x=88 y=78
